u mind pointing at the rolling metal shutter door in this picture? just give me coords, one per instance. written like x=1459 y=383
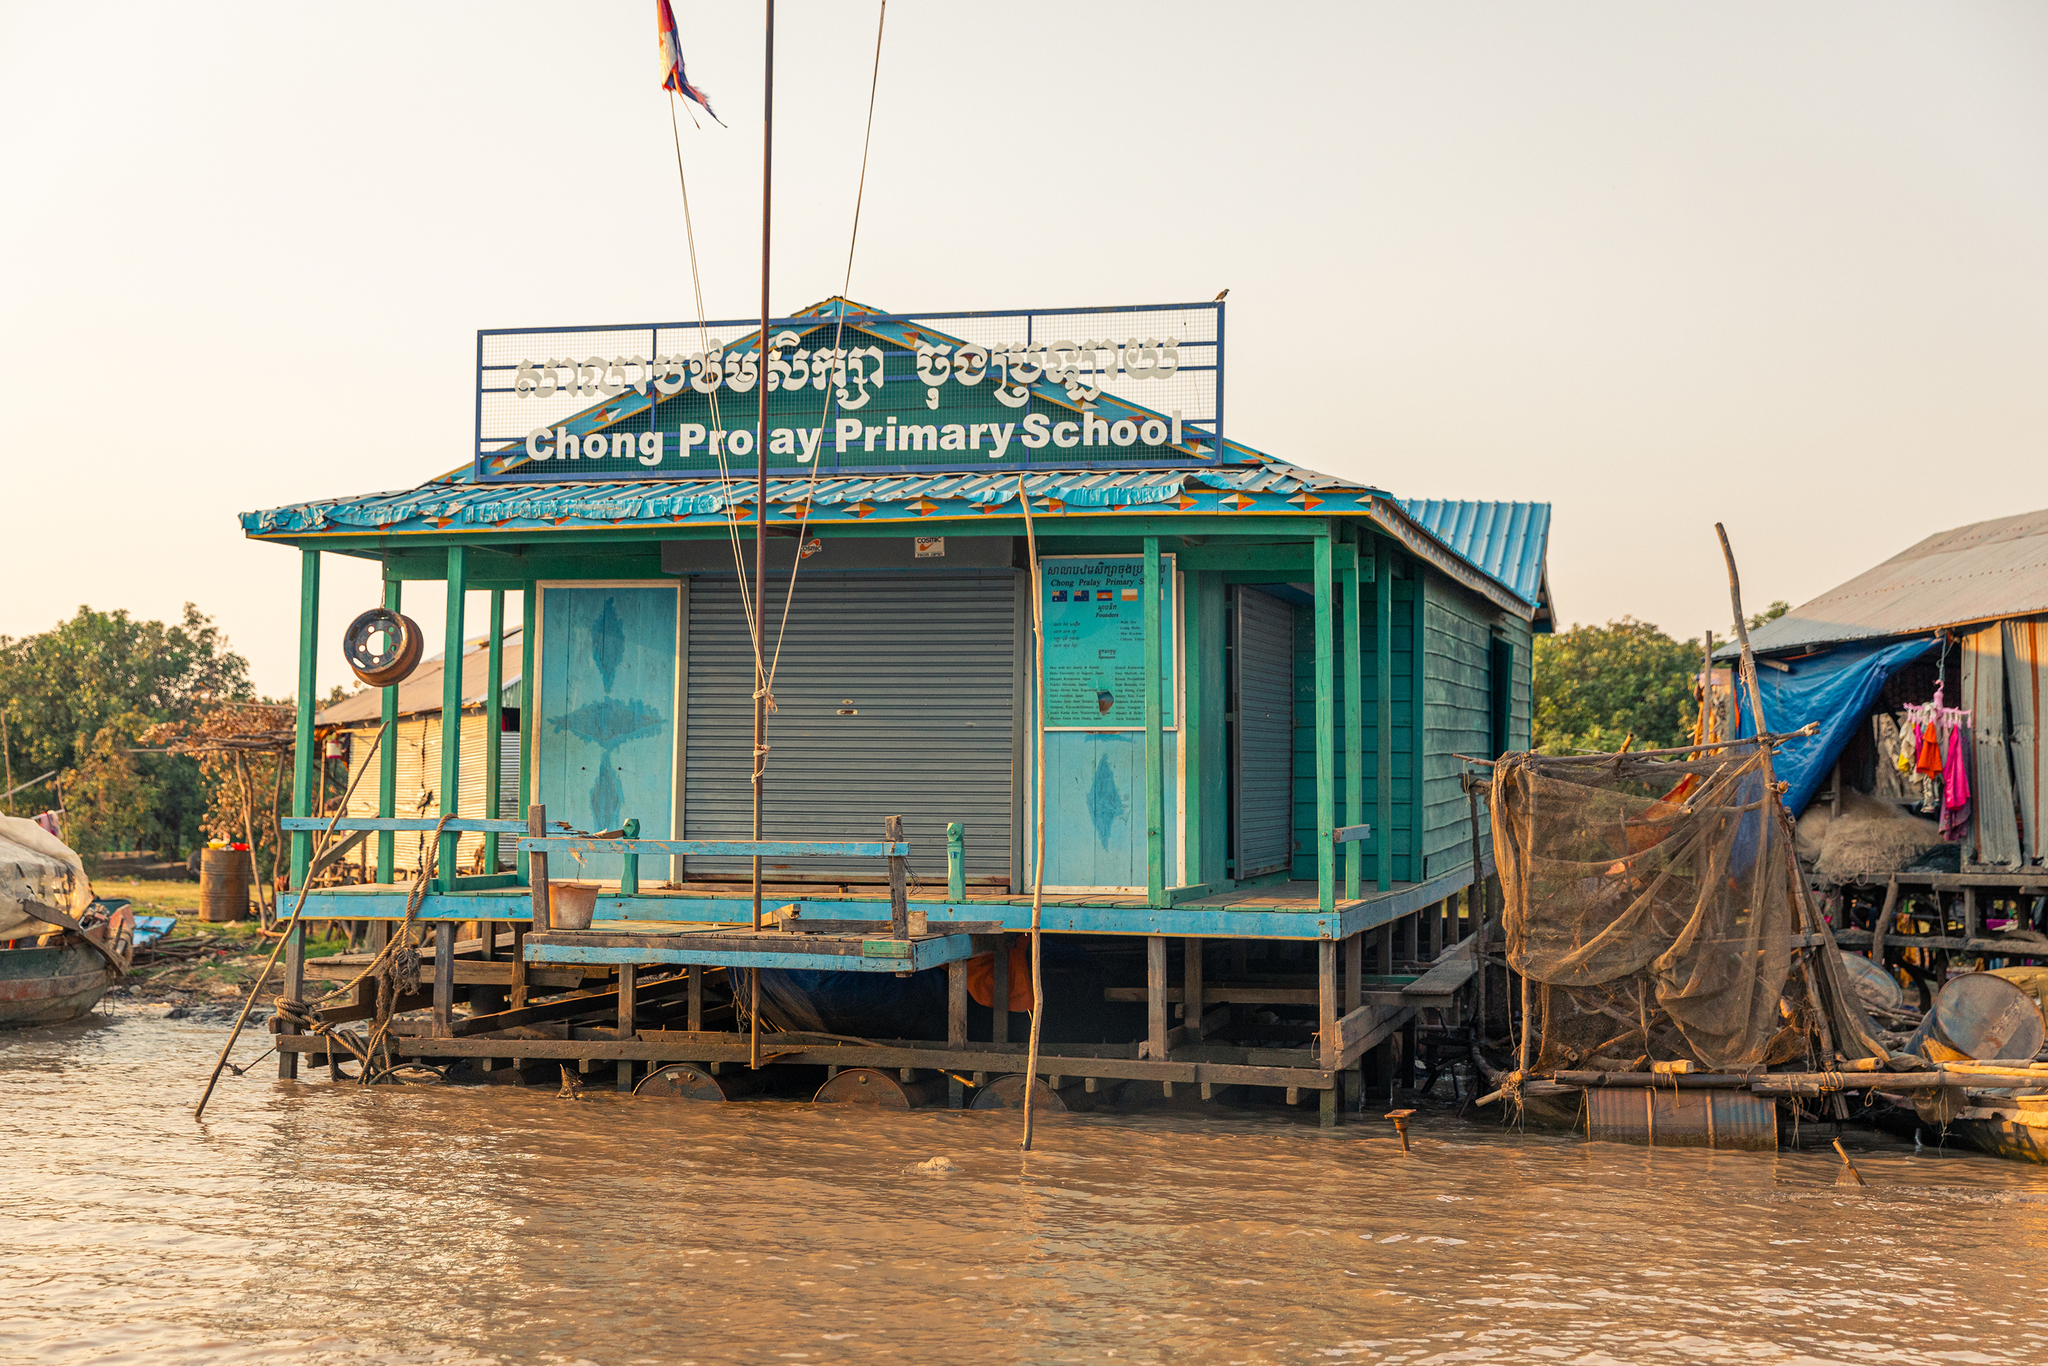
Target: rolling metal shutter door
x=1265 y=733
x=927 y=664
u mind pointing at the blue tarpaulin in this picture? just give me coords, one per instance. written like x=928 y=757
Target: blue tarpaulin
x=1834 y=689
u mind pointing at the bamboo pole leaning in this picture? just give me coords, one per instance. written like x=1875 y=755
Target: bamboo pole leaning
x=256 y=987
x=1038 y=819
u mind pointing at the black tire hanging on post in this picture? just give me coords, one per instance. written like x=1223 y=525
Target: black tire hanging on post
x=394 y=663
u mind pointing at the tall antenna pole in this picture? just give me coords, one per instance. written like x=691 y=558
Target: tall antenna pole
x=761 y=461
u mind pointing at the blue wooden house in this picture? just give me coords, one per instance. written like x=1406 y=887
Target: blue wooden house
x=1261 y=685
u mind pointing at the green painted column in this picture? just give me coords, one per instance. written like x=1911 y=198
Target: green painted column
x=529 y=626
x=1155 y=748
x=303 y=757
x=1354 y=723
x=451 y=707
x=387 y=756
x=1383 y=660
x=1195 y=711
x=1418 y=723
x=494 y=709
x=1326 y=723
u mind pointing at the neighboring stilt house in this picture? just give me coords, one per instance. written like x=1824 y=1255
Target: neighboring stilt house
x=1260 y=681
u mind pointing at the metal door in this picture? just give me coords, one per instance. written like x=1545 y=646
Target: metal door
x=895 y=694
x=1264 y=762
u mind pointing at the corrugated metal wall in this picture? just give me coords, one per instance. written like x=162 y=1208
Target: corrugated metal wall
x=2026 y=663
x=896 y=694
x=419 y=774
x=1265 y=733
x=1994 y=829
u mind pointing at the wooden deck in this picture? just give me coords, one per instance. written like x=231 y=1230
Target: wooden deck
x=1287 y=910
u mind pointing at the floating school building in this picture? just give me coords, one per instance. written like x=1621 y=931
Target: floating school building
x=1259 y=684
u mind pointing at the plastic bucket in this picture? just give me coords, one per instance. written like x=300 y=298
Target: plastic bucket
x=571 y=905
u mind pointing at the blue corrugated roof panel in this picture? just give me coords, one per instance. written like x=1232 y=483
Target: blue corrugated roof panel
x=1501 y=542
x=1506 y=541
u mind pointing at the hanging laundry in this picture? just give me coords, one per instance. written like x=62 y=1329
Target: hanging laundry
x=1927 y=755
x=1955 y=783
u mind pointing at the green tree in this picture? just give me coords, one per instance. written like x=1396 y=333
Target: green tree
x=63 y=688
x=1598 y=685
x=109 y=802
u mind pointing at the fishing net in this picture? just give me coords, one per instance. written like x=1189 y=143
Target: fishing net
x=1651 y=905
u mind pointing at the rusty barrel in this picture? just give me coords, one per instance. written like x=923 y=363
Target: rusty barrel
x=687 y=1081
x=1979 y=1015
x=873 y=1086
x=1007 y=1093
x=224 y=884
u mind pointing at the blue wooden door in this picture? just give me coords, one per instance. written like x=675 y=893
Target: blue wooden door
x=1095 y=808
x=605 y=742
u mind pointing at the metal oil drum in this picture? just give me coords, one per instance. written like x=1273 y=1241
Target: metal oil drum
x=224 y=884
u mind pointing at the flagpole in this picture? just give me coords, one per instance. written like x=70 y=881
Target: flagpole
x=761 y=489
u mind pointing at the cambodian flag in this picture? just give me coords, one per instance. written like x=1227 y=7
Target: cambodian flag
x=672 y=77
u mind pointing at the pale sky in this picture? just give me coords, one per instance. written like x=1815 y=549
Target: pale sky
x=1658 y=264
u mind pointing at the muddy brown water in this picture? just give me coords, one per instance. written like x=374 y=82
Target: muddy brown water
x=319 y=1224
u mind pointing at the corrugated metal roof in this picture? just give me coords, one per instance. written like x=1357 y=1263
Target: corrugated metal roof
x=1511 y=542
x=436 y=506
x=1981 y=572
x=422 y=691
x=1507 y=541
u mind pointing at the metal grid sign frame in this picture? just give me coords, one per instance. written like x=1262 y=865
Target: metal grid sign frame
x=857 y=392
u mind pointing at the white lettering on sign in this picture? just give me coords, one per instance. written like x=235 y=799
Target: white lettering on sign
x=1035 y=432
x=855 y=373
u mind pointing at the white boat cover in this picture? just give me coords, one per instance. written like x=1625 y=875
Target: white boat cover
x=36 y=866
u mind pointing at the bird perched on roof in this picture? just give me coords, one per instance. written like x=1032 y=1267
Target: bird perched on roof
x=1220 y=293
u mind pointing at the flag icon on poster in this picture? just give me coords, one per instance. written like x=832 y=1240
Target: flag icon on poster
x=1059 y=595
x=1104 y=595
x=1130 y=595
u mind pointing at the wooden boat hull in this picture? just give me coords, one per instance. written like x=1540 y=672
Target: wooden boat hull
x=49 y=985
x=2002 y=1135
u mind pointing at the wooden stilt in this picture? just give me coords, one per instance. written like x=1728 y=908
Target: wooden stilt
x=1191 y=986
x=444 y=979
x=956 y=1027
x=294 y=990
x=1155 y=996
x=696 y=1007
x=629 y=1001
x=999 y=992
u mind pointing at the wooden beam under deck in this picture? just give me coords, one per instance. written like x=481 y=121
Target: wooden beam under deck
x=680 y=1046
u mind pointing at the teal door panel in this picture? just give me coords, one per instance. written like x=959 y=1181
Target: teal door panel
x=1095 y=808
x=605 y=742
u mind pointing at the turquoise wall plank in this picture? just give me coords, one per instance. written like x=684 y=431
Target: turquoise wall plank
x=606 y=742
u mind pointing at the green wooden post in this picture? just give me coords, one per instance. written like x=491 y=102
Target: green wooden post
x=387 y=755
x=1326 y=724
x=1354 y=724
x=1418 y=723
x=1193 y=716
x=1155 y=748
x=303 y=758
x=1383 y=651
x=494 y=718
x=451 y=707
x=629 y=864
x=956 y=862
x=529 y=614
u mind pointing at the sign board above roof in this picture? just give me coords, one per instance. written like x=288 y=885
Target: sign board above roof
x=853 y=389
